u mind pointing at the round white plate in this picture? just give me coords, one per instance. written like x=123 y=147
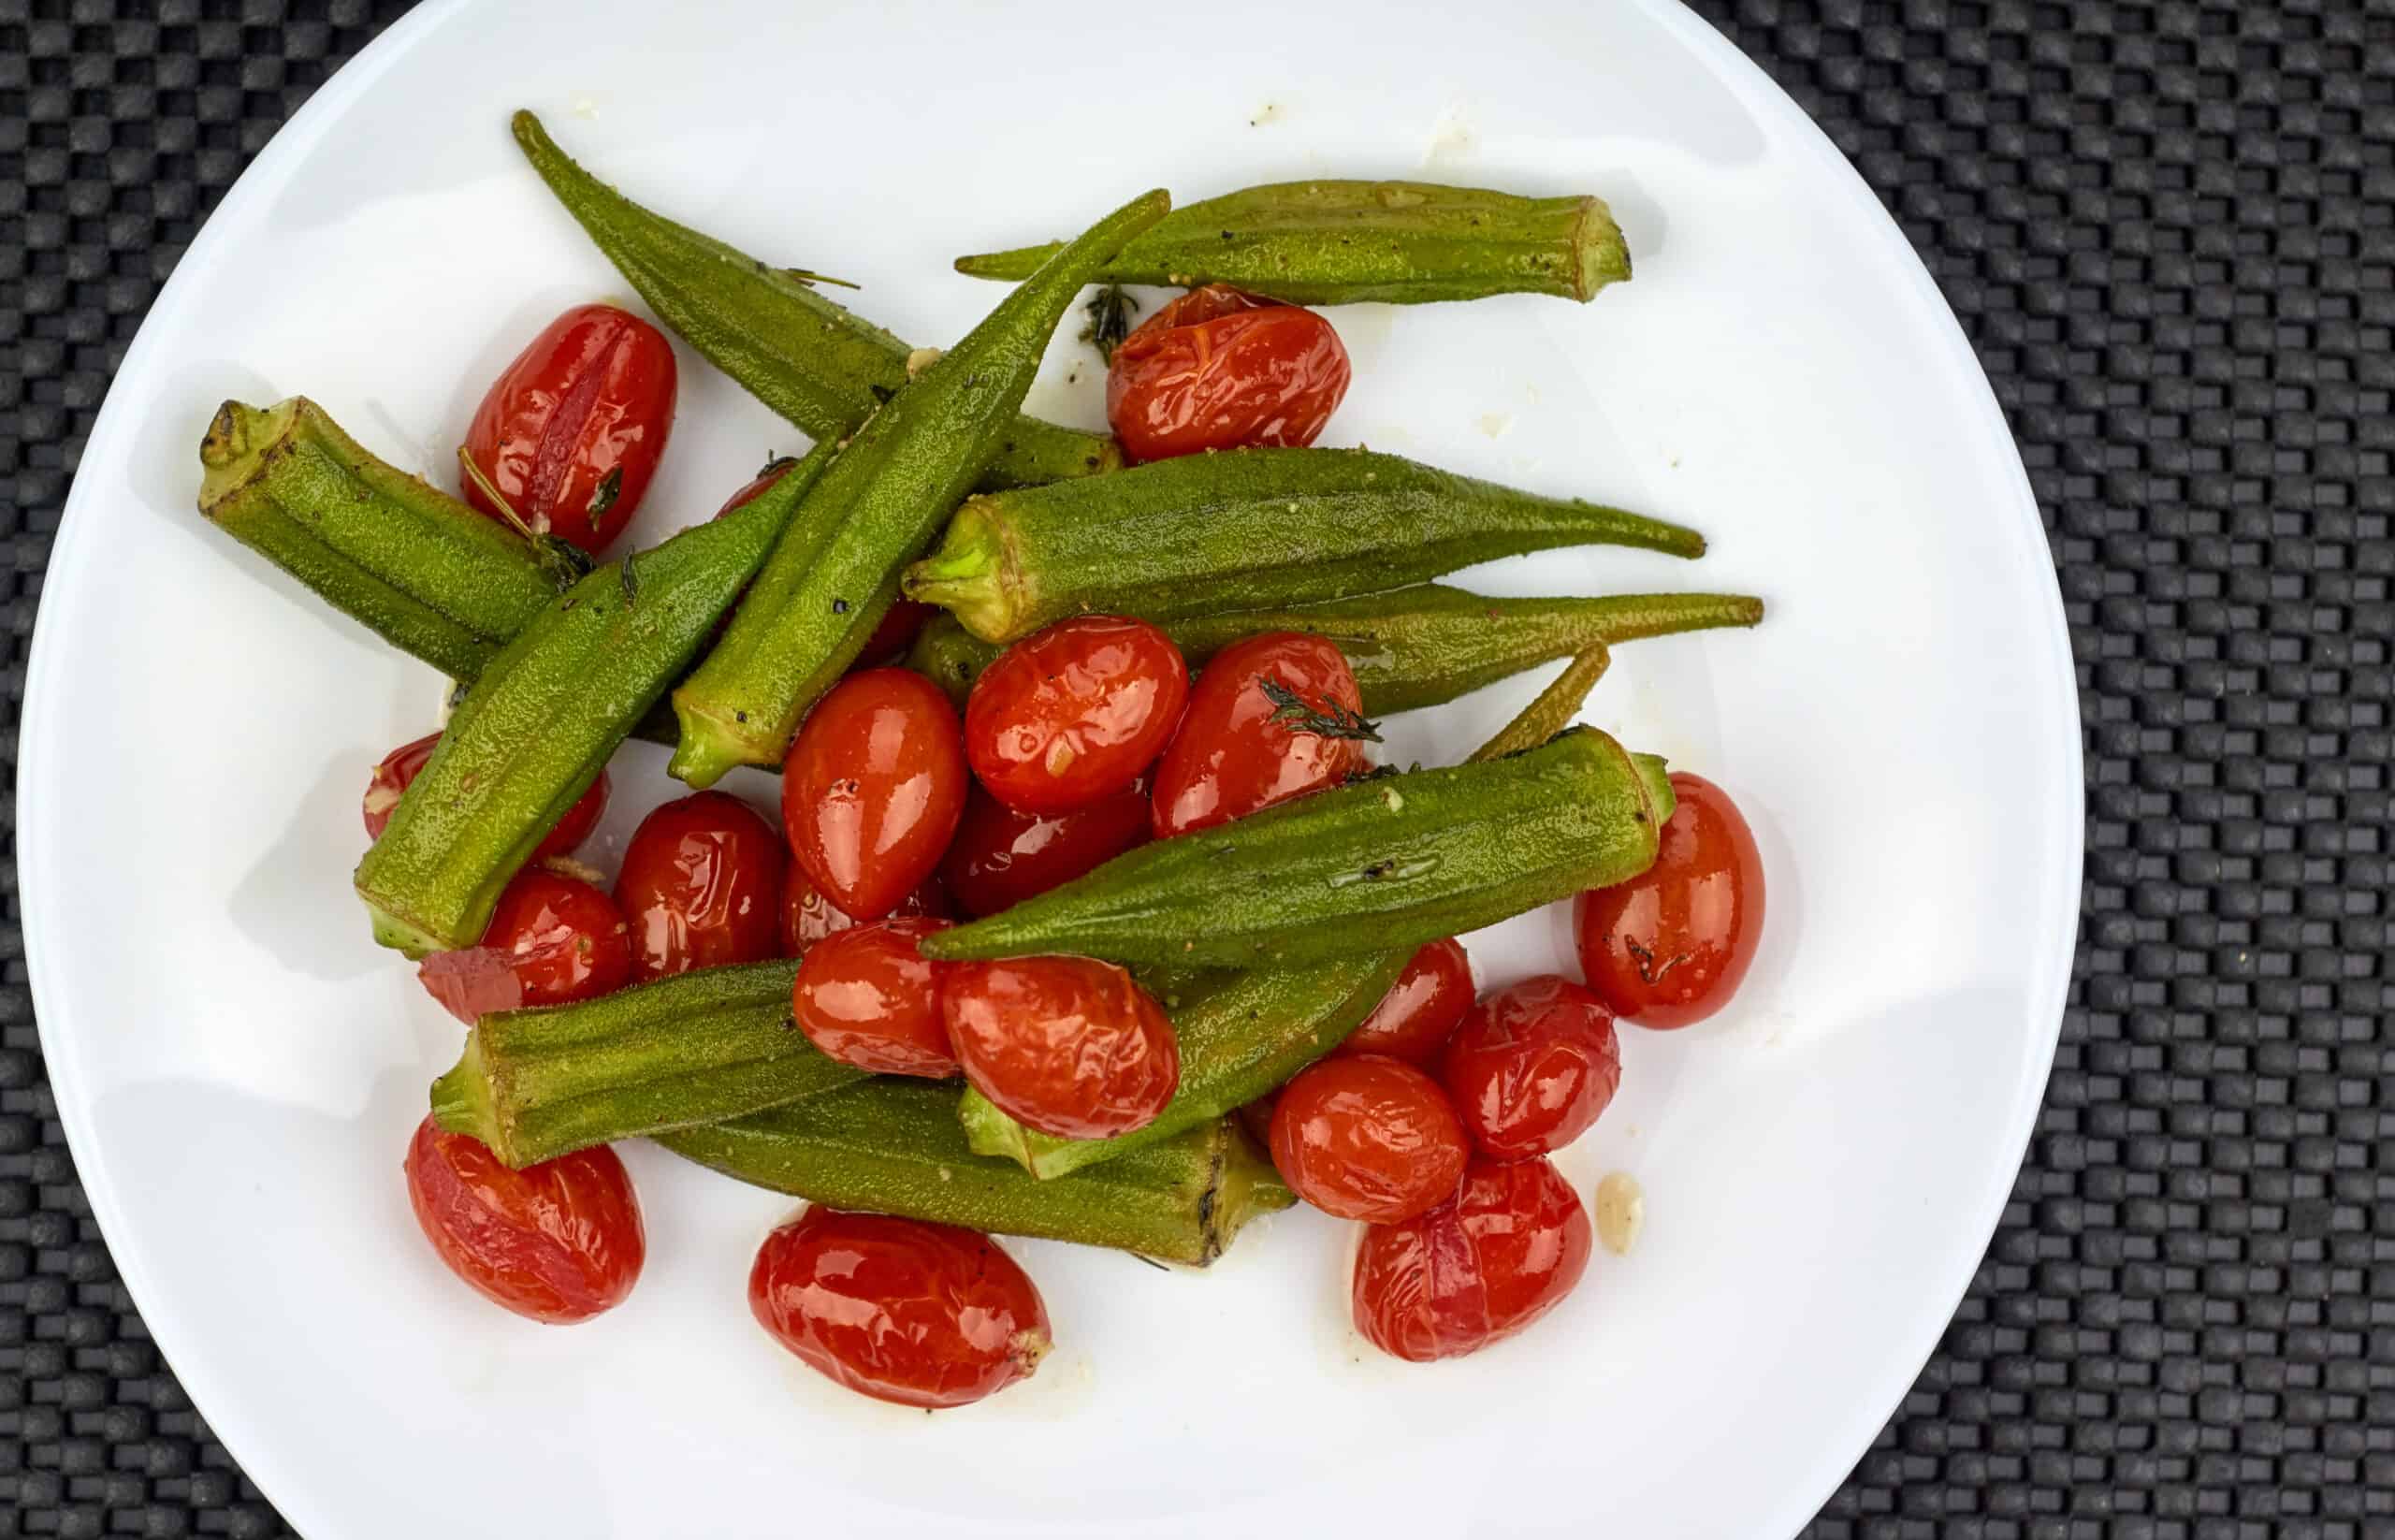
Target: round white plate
x=239 y=1068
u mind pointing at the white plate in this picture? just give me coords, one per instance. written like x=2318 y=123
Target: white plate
x=239 y=1068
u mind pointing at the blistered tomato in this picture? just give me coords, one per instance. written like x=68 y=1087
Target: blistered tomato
x=1217 y=368
x=873 y=788
x=808 y=917
x=559 y=1241
x=866 y=997
x=1668 y=947
x=401 y=765
x=552 y=939
x=1477 y=1268
x=1532 y=1066
x=1368 y=1137
x=571 y=431
x=1271 y=718
x=1067 y=1046
x=1074 y=713
x=1000 y=857
x=1414 y=1018
x=700 y=886
x=921 y=1315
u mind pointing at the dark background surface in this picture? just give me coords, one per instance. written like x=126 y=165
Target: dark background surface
x=2173 y=243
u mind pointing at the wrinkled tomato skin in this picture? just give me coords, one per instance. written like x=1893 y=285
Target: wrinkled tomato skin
x=1074 y=713
x=1217 y=368
x=921 y=1315
x=700 y=886
x=1505 y=1251
x=1532 y=1066
x=808 y=917
x=1067 y=1046
x=401 y=765
x=1368 y=1137
x=1669 y=946
x=1414 y=1019
x=557 y=1243
x=1231 y=758
x=866 y=996
x=590 y=398
x=873 y=788
x=1000 y=857
x=552 y=939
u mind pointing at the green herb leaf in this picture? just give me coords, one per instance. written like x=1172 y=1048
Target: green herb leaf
x=631 y=583
x=1110 y=312
x=1327 y=720
x=610 y=488
x=811 y=278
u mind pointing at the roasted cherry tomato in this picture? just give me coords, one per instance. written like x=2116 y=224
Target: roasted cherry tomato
x=873 y=788
x=1414 y=1018
x=1503 y=1252
x=1000 y=857
x=866 y=997
x=1069 y=1046
x=401 y=765
x=1075 y=712
x=775 y=469
x=808 y=917
x=1217 y=368
x=924 y=1315
x=700 y=886
x=569 y=433
x=1271 y=718
x=559 y=1241
x=1368 y=1137
x=1532 y=1066
x=1669 y=946
x=552 y=939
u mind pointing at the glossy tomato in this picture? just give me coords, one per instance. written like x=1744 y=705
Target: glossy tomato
x=552 y=939
x=924 y=1315
x=873 y=788
x=1480 y=1266
x=1414 y=1018
x=1067 y=1046
x=700 y=886
x=775 y=469
x=1217 y=368
x=1668 y=947
x=1074 y=713
x=808 y=917
x=1271 y=718
x=1532 y=1066
x=401 y=765
x=866 y=997
x=569 y=433
x=1368 y=1137
x=559 y=1241
x=1000 y=857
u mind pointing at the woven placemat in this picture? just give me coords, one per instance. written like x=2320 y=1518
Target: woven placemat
x=2172 y=242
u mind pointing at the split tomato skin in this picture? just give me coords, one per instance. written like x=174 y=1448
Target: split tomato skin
x=401 y=765
x=1000 y=857
x=556 y=1242
x=1368 y=1137
x=572 y=431
x=922 y=1314
x=1219 y=369
x=1670 y=947
x=700 y=886
x=1532 y=1067
x=873 y=787
x=808 y=917
x=1074 y=713
x=1232 y=758
x=1477 y=1268
x=866 y=996
x=1427 y=1003
x=1067 y=1046
x=552 y=939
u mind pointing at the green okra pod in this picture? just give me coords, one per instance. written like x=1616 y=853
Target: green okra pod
x=815 y=602
x=1390 y=861
x=416 y=566
x=1338 y=243
x=700 y=1047
x=815 y=362
x=894 y=1146
x=1410 y=648
x=539 y=726
x=1243 y=530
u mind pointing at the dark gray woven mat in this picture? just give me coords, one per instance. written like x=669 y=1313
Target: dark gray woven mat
x=2172 y=240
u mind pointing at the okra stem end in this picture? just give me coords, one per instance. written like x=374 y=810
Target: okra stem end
x=235 y=449
x=711 y=745
x=461 y=1103
x=1248 y=1186
x=971 y=576
x=1603 y=255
